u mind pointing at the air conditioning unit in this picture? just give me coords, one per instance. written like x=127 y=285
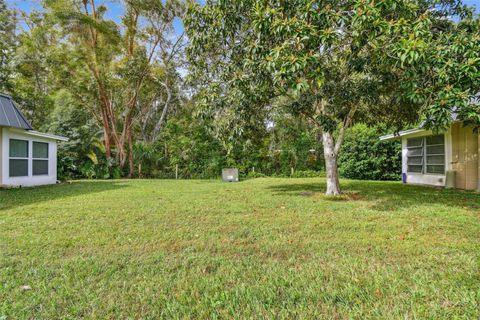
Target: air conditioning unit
x=230 y=175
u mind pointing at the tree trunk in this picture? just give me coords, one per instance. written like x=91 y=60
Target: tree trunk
x=121 y=153
x=106 y=136
x=333 y=183
x=125 y=149
x=131 y=164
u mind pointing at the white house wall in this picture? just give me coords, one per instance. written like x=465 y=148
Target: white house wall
x=30 y=180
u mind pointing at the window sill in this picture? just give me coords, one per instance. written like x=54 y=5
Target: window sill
x=426 y=174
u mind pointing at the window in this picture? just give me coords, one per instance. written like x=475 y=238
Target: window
x=426 y=155
x=40 y=158
x=435 y=153
x=18 y=162
x=20 y=156
x=415 y=155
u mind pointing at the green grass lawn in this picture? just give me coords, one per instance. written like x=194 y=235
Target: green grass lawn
x=264 y=248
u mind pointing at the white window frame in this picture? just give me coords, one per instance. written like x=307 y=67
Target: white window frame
x=47 y=159
x=18 y=158
x=29 y=158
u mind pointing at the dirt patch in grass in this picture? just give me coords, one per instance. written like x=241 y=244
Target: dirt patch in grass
x=345 y=196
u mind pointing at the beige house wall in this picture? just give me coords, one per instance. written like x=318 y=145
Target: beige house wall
x=465 y=151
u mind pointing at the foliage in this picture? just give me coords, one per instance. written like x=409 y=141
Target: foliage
x=254 y=175
x=7 y=45
x=293 y=144
x=120 y=66
x=365 y=157
x=84 y=154
x=307 y=174
x=201 y=149
x=449 y=82
x=34 y=77
x=257 y=71
x=334 y=62
x=262 y=248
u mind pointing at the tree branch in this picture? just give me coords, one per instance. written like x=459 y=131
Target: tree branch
x=346 y=124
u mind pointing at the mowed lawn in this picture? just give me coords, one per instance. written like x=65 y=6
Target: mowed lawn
x=263 y=248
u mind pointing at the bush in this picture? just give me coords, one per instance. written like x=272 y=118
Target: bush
x=307 y=174
x=365 y=157
x=254 y=175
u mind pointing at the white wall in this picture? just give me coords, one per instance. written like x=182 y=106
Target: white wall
x=30 y=180
x=427 y=179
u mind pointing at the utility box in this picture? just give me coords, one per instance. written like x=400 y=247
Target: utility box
x=230 y=175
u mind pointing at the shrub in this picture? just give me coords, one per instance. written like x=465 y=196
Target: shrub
x=307 y=174
x=365 y=157
x=254 y=175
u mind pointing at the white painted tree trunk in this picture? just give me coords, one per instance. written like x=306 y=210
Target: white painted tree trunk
x=333 y=183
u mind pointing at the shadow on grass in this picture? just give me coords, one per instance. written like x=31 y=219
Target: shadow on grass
x=387 y=196
x=18 y=197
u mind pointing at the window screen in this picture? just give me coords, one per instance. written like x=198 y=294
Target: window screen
x=40 y=167
x=18 y=148
x=40 y=150
x=435 y=154
x=40 y=158
x=417 y=142
x=426 y=155
x=18 y=162
x=415 y=155
x=18 y=167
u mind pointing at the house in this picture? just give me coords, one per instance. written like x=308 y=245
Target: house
x=27 y=157
x=448 y=159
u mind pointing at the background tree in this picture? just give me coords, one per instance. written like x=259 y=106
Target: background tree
x=337 y=61
x=33 y=81
x=258 y=73
x=119 y=60
x=7 y=45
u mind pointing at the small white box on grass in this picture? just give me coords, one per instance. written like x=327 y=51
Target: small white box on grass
x=230 y=175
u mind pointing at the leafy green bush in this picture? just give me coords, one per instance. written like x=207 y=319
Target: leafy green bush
x=254 y=175
x=307 y=174
x=66 y=166
x=365 y=157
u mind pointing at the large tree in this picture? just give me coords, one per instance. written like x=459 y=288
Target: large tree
x=336 y=61
x=118 y=63
x=7 y=45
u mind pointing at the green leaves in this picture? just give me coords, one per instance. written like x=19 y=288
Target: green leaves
x=327 y=123
x=7 y=46
x=390 y=61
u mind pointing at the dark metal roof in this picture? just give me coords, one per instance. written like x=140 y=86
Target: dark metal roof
x=10 y=116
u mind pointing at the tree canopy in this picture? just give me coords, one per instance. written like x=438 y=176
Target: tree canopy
x=337 y=62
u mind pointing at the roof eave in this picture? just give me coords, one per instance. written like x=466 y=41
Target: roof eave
x=401 y=134
x=46 y=135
